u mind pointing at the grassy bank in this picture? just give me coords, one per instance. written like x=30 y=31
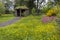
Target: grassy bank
x=30 y=28
x=6 y=17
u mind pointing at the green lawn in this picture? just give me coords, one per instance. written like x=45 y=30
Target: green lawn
x=6 y=17
x=30 y=28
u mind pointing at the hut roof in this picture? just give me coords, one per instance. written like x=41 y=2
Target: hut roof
x=21 y=7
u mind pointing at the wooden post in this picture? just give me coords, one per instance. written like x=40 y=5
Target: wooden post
x=15 y=12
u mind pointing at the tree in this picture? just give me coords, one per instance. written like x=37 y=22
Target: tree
x=29 y=3
x=8 y=5
x=38 y=5
x=57 y=2
x=2 y=8
x=19 y=2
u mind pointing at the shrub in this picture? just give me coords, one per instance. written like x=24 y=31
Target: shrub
x=44 y=9
x=33 y=11
x=52 y=12
x=25 y=13
x=58 y=15
x=2 y=8
x=46 y=19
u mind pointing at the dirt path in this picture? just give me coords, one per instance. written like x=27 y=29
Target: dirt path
x=9 y=22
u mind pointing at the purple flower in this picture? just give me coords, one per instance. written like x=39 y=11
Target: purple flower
x=47 y=19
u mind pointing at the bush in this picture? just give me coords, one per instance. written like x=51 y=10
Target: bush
x=58 y=14
x=46 y=19
x=25 y=13
x=44 y=9
x=53 y=11
x=33 y=11
x=2 y=8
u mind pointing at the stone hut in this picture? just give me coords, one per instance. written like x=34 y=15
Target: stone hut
x=21 y=11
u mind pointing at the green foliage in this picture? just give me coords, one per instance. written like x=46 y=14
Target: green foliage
x=2 y=8
x=53 y=11
x=21 y=2
x=6 y=17
x=47 y=7
x=44 y=9
x=29 y=28
x=33 y=11
x=25 y=13
x=57 y=2
x=29 y=3
x=7 y=5
x=58 y=13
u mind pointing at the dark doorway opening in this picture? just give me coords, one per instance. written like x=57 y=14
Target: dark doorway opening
x=18 y=12
x=22 y=11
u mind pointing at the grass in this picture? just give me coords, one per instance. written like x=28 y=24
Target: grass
x=6 y=17
x=30 y=28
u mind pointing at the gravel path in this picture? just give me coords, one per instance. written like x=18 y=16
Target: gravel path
x=9 y=22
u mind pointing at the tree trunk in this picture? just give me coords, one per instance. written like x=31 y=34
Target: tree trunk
x=37 y=8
